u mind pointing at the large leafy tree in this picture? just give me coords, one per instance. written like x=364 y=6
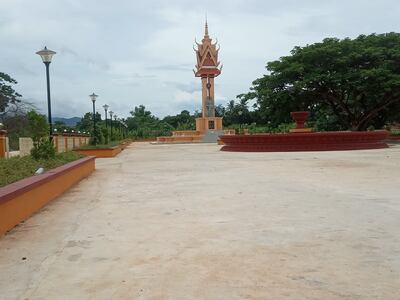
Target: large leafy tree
x=182 y=121
x=237 y=113
x=346 y=84
x=86 y=122
x=141 y=117
x=7 y=94
x=143 y=124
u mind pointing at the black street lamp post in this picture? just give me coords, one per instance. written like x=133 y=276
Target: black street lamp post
x=111 y=133
x=46 y=56
x=105 y=106
x=93 y=97
x=240 y=113
x=124 y=129
x=115 y=122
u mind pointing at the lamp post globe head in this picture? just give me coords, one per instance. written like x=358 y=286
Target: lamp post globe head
x=46 y=54
x=105 y=106
x=93 y=97
x=111 y=113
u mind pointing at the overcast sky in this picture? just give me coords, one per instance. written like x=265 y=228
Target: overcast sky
x=133 y=52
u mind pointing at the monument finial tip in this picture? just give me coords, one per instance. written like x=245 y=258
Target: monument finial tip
x=206 y=27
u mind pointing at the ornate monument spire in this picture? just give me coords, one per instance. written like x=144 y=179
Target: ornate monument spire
x=208 y=67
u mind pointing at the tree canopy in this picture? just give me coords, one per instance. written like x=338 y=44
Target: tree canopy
x=7 y=94
x=144 y=124
x=182 y=121
x=86 y=122
x=346 y=84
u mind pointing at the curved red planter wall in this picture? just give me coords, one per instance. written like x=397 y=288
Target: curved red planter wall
x=315 y=141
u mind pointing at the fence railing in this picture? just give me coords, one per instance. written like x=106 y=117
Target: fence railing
x=62 y=142
x=3 y=143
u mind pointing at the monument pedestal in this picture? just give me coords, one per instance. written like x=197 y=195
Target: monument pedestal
x=205 y=124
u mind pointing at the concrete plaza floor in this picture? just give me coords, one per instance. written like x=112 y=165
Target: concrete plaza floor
x=191 y=222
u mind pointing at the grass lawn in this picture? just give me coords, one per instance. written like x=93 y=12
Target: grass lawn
x=17 y=168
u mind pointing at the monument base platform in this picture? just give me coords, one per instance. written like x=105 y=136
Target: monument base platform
x=205 y=124
x=191 y=136
x=181 y=136
x=208 y=129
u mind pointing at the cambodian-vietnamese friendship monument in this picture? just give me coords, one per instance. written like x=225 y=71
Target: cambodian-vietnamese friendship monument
x=208 y=126
x=207 y=68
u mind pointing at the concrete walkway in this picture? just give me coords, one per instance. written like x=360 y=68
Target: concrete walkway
x=190 y=222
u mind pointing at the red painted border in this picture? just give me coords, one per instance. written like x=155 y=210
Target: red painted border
x=110 y=148
x=101 y=152
x=15 y=189
x=395 y=138
x=316 y=141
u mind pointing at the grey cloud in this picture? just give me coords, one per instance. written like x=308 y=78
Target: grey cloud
x=177 y=67
x=189 y=87
x=142 y=76
x=102 y=65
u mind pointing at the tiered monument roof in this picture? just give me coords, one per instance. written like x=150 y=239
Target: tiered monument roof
x=207 y=57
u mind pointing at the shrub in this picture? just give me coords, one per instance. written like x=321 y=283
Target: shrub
x=43 y=150
x=99 y=136
x=38 y=128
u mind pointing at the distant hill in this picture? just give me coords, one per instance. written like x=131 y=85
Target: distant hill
x=67 y=121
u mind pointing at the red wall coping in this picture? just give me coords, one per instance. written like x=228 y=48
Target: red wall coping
x=94 y=149
x=109 y=148
x=17 y=188
x=145 y=140
x=393 y=137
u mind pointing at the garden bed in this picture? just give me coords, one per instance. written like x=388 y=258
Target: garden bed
x=21 y=199
x=17 y=168
x=104 y=151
